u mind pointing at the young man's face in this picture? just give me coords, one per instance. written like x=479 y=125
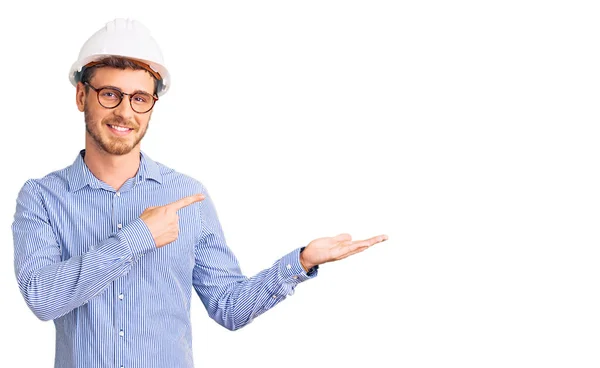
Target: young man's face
x=105 y=126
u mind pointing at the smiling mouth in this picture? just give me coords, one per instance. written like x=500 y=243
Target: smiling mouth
x=119 y=130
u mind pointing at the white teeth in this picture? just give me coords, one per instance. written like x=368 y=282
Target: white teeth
x=120 y=129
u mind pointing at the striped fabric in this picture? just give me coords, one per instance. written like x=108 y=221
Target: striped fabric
x=85 y=259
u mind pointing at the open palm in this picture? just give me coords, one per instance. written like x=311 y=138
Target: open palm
x=323 y=250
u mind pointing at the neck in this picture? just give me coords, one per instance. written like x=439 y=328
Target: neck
x=114 y=170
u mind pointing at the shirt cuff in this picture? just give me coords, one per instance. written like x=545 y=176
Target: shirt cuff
x=291 y=270
x=139 y=238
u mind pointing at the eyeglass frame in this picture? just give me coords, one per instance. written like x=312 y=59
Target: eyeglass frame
x=123 y=94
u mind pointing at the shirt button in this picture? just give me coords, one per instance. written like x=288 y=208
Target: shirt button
x=120 y=296
x=121 y=333
x=274 y=296
x=119 y=226
x=118 y=194
x=294 y=277
x=289 y=266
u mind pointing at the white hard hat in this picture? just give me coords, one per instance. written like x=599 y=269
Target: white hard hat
x=126 y=38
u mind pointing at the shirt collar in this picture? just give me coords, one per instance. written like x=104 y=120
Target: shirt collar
x=148 y=169
x=80 y=175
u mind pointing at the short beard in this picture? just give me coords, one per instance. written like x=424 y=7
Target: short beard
x=114 y=146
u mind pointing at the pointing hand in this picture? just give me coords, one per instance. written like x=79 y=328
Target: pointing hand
x=163 y=221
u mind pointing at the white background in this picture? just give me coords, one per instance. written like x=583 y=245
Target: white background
x=467 y=131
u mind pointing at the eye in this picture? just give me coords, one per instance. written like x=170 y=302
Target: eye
x=142 y=98
x=110 y=94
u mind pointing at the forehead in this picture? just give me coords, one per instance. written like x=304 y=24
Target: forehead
x=128 y=80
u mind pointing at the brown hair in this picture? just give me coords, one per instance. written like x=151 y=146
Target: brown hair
x=119 y=63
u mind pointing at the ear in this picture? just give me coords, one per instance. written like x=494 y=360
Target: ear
x=80 y=96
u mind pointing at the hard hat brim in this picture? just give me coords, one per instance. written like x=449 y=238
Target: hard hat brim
x=163 y=73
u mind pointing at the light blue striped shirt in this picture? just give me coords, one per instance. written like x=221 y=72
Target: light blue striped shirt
x=85 y=259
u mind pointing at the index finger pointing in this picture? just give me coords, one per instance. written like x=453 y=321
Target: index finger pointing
x=186 y=201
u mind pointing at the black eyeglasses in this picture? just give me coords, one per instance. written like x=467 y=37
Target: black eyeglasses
x=109 y=97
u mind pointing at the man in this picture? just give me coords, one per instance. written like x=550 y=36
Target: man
x=111 y=246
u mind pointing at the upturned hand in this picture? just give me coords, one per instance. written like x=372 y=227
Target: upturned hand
x=323 y=250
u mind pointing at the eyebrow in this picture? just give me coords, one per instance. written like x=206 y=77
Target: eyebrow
x=120 y=90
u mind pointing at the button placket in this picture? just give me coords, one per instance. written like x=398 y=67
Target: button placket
x=115 y=204
x=119 y=313
x=117 y=223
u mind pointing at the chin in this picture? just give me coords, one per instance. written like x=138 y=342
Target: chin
x=116 y=148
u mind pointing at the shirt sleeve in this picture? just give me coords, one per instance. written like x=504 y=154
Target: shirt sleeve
x=53 y=287
x=232 y=299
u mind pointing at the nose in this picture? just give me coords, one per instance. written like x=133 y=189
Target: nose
x=124 y=109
